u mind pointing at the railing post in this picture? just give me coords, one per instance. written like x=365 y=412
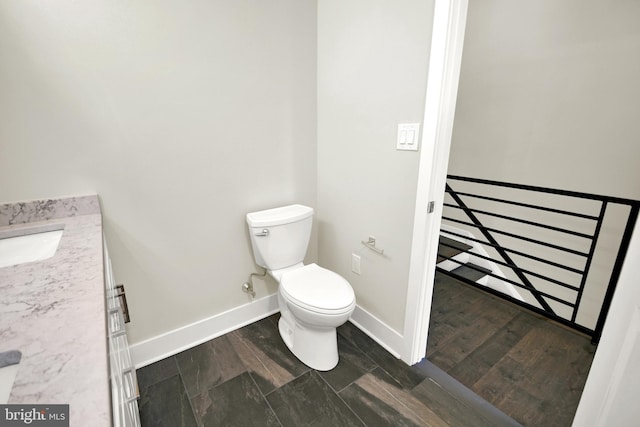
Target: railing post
x=587 y=264
x=615 y=274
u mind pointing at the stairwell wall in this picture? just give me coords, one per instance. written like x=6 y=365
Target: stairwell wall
x=548 y=96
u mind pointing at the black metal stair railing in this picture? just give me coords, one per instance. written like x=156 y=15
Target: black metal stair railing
x=561 y=237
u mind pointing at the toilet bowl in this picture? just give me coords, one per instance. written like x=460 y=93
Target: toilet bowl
x=309 y=318
x=313 y=301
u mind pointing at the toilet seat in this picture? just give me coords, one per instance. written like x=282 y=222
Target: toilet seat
x=318 y=290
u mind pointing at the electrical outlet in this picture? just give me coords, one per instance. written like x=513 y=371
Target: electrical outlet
x=355 y=263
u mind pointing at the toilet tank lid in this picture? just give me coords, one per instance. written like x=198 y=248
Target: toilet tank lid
x=279 y=216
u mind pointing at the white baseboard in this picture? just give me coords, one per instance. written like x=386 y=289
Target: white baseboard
x=379 y=331
x=173 y=342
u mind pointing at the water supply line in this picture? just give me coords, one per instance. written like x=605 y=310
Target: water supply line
x=247 y=287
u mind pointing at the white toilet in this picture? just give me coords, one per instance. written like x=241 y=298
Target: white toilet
x=313 y=301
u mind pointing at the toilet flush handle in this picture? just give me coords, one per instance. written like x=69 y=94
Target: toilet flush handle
x=263 y=233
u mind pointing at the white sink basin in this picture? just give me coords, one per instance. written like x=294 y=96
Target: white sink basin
x=29 y=244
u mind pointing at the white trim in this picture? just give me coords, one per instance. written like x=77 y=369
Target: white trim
x=620 y=370
x=603 y=403
x=442 y=86
x=377 y=330
x=173 y=342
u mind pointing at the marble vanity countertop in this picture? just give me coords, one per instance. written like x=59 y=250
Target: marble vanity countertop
x=53 y=311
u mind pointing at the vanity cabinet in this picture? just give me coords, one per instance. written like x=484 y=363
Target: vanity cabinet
x=122 y=373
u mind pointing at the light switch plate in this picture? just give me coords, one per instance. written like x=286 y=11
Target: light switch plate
x=408 y=136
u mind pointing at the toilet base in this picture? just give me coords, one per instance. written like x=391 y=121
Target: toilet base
x=315 y=347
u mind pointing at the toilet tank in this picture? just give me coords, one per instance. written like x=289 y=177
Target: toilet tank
x=280 y=236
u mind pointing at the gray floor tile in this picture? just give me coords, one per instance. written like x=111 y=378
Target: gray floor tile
x=380 y=401
x=453 y=411
x=165 y=404
x=352 y=365
x=266 y=356
x=359 y=339
x=309 y=401
x=208 y=364
x=156 y=372
x=249 y=377
x=446 y=396
x=407 y=376
x=236 y=402
x=530 y=368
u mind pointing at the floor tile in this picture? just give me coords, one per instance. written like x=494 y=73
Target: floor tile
x=529 y=367
x=265 y=355
x=352 y=365
x=451 y=410
x=407 y=376
x=456 y=403
x=156 y=372
x=472 y=329
x=309 y=401
x=481 y=360
x=249 y=377
x=378 y=402
x=165 y=404
x=534 y=413
x=266 y=372
x=359 y=339
x=236 y=402
x=208 y=364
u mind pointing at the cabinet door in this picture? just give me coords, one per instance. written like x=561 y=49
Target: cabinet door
x=122 y=373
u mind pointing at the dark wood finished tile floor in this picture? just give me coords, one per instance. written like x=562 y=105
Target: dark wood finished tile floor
x=249 y=378
x=530 y=368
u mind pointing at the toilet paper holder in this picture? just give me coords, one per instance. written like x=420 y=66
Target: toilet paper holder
x=371 y=244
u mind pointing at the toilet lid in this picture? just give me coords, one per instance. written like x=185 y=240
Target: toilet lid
x=317 y=287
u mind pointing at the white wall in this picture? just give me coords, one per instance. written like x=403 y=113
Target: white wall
x=372 y=67
x=182 y=116
x=549 y=95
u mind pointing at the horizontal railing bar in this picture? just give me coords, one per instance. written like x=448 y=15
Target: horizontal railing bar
x=515 y=252
x=521 y=221
x=562 y=320
x=523 y=270
x=520 y=285
x=515 y=236
x=526 y=205
x=493 y=208
x=568 y=193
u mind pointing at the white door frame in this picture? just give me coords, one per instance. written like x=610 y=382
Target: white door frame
x=449 y=20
